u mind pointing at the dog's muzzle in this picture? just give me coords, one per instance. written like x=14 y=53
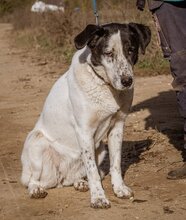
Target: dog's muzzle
x=126 y=81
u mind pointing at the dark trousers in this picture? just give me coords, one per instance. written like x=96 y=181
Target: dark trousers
x=171 y=24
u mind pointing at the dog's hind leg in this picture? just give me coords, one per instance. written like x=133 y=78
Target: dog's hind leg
x=33 y=161
x=81 y=185
x=77 y=176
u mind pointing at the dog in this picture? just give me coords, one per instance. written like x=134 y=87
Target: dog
x=88 y=103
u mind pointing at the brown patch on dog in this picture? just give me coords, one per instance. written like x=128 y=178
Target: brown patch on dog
x=94 y=119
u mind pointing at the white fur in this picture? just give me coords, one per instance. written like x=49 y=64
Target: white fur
x=65 y=145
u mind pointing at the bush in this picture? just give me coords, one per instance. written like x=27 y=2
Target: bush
x=8 y=6
x=54 y=32
x=51 y=31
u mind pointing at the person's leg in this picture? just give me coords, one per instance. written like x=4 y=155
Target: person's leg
x=178 y=69
x=171 y=20
x=178 y=63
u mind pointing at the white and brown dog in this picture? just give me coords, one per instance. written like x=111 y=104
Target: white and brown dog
x=90 y=101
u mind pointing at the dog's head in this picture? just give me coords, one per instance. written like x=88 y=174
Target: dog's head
x=115 y=47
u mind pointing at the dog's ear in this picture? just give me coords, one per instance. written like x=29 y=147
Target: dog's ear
x=89 y=36
x=144 y=34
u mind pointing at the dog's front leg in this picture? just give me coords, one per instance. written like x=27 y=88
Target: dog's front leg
x=98 y=199
x=115 y=139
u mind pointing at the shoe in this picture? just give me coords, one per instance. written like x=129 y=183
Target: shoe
x=179 y=173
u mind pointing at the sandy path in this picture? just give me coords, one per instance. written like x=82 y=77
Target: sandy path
x=153 y=133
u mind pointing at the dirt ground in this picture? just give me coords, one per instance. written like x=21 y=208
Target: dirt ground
x=151 y=147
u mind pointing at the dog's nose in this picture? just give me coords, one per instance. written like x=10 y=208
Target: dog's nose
x=126 y=81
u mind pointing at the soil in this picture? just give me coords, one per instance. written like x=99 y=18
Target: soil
x=152 y=145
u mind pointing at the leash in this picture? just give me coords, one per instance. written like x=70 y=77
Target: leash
x=94 y=3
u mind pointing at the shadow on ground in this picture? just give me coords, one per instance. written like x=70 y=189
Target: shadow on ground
x=164 y=117
x=131 y=151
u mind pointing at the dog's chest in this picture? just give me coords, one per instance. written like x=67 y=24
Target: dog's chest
x=103 y=126
x=104 y=110
x=103 y=99
x=97 y=93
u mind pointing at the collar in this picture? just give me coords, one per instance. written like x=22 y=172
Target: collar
x=100 y=77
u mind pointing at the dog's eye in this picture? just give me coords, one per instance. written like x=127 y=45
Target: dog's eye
x=108 y=54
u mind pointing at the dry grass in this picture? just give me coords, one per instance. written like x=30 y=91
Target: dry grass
x=54 y=32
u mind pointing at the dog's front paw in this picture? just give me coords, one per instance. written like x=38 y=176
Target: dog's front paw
x=123 y=192
x=100 y=203
x=81 y=185
x=38 y=193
